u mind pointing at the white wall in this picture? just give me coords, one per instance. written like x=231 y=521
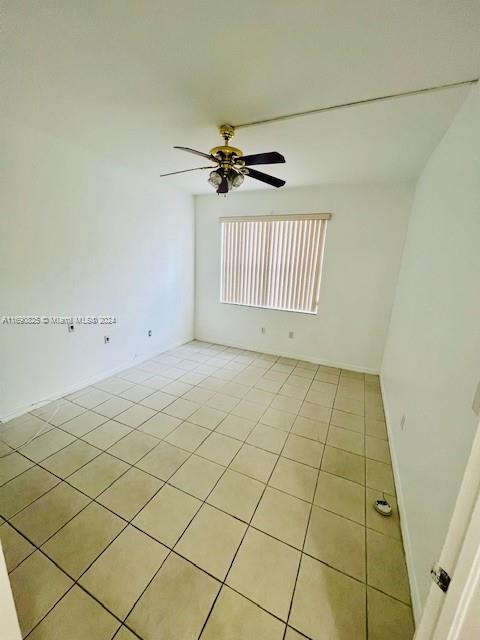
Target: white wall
x=79 y=235
x=432 y=360
x=362 y=257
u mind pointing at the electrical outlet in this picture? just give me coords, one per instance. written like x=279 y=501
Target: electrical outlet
x=263 y=330
x=149 y=333
x=290 y=334
x=71 y=328
x=106 y=339
x=402 y=422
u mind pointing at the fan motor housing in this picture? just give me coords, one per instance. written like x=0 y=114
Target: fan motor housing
x=226 y=150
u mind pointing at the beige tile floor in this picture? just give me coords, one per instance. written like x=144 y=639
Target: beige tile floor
x=208 y=493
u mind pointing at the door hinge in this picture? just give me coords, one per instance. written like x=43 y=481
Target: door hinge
x=440 y=577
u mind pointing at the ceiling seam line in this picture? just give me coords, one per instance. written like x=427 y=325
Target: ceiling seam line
x=392 y=96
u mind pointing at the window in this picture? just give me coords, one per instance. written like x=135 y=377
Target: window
x=273 y=261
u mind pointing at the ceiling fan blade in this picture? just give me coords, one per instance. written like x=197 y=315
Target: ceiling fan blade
x=264 y=177
x=223 y=186
x=272 y=157
x=172 y=173
x=197 y=153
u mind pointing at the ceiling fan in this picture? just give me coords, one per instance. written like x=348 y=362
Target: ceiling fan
x=232 y=165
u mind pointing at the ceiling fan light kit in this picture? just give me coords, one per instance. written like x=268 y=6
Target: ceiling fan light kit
x=232 y=165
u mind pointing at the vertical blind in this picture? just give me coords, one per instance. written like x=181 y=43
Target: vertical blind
x=273 y=261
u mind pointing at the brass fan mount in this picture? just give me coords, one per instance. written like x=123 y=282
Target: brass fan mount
x=227 y=131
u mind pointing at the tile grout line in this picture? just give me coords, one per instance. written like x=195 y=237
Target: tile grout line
x=75 y=582
x=137 y=427
x=224 y=583
x=309 y=515
x=128 y=523
x=132 y=465
x=172 y=549
x=106 y=451
x=35 y=463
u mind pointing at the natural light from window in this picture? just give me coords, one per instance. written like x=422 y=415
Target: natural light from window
x=274 y=262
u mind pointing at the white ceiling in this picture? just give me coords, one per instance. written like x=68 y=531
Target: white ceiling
x=131 y=78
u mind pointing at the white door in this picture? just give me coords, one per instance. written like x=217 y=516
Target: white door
x=9 y=627
x=456 y=614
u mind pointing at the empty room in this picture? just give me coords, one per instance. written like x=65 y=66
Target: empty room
x=240 y=320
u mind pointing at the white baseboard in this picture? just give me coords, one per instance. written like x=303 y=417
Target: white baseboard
x=295 y=356
x=407 y=545
x=132 y=362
